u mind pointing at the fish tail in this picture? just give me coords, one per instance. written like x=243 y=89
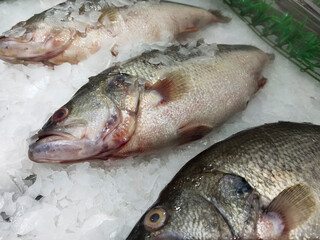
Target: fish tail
x=221 y=18
x=271 y=57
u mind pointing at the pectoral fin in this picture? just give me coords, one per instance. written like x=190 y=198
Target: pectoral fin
x=191 y=133
x=291 y=208
x=172 y=87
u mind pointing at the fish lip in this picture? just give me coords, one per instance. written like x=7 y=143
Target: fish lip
x=46 y=146
x=37 y=148
x=44 y=139
x=53 y=136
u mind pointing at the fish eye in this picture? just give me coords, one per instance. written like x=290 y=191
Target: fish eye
x=59 y=115
x=155 y=219
x=244 y=187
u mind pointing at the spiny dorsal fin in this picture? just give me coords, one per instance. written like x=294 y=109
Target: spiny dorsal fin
x=294 y=205
x=172 y=87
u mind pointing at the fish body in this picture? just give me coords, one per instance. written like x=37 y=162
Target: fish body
x=159 y=99
x=74 y=30
x=261 y=183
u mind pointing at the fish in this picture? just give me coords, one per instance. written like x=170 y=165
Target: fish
x=261 y=183
x=159 y=99
x=74 y=30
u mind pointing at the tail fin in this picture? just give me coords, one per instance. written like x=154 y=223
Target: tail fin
x=220 y=16
x=271 y=57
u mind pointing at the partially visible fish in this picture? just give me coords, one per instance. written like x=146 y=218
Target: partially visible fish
x=75 y=29
x=261 y=183
x=156 y=100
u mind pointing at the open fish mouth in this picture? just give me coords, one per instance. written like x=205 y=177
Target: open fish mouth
x=48 y=146
x=63 y=147
x=53 y=136
x=34 y=46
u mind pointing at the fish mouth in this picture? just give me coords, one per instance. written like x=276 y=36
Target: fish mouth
x=34 y=47
x=48 y=146
x=63 y=147
x=53 y=136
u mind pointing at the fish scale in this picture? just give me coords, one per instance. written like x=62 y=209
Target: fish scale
x=236 y=180
x=280 y=167
x=74 y=30
x=160 y=99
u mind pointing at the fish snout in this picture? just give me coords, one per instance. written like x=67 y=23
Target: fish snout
x=46 y=146
x=22 y=44
x=49 y=152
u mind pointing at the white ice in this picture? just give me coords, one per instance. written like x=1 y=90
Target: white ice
x=103 y=200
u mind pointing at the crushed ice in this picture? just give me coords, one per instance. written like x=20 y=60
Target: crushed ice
x=103 y=200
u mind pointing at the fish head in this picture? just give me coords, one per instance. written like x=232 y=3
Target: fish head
x=35 y=40
x=174 y=221
x=96 y=122
x=231 y=211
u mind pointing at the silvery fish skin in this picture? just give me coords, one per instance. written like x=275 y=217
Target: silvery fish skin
x=75 y=29
x=159 y=99
x=261 y=183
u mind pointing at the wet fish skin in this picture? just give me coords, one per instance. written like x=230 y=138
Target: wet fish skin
x=74 y=30
x=222 y=192
x=156 y=100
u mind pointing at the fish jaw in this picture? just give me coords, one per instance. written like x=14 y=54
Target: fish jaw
x=27 y=45
x=59 y=146
x=47 y=152
x=49 y=147
x=65 y=148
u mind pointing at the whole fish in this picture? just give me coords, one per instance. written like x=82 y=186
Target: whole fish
x=156 y=100
x=75 y=29
x=261 y=183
